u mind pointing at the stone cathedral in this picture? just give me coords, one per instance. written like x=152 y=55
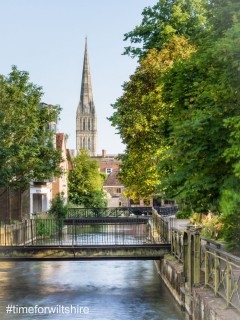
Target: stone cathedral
x=86 y=119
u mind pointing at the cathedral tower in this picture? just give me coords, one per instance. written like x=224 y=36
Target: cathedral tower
x=86 y=119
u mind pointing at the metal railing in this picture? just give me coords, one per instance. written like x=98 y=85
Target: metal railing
x=159 y=228
x=177 y=243
x=221 y=272
x=108 y=212
x=205 y=261
x=166 y=211
x=17 y=233
x=56 y=232
x=119 y=211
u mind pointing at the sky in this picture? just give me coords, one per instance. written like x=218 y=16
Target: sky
x=47 y=38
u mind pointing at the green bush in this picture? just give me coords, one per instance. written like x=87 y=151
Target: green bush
x=45 y=227
x=58 y=208
x=184 y=213
x=230 y=208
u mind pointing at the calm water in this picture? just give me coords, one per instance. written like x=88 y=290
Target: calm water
x=110 y=290
x=100 y=290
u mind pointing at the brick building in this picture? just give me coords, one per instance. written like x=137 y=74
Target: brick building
x=15 y=205
x=59 y=185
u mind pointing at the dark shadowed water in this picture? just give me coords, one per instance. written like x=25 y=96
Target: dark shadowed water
x=109 y=290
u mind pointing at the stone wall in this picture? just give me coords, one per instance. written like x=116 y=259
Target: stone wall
x=207 y=306
x=171 y=272
x=202 y=304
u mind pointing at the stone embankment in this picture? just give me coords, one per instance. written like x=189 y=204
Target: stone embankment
x=199 y=301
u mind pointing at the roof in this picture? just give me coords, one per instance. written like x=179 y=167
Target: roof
x=112 y=179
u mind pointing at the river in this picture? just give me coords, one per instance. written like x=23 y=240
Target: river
x=96 y=290
x=109 y=290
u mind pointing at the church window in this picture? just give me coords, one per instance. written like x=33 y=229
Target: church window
x=84 y=124
x=84 y=143
x=89 y=124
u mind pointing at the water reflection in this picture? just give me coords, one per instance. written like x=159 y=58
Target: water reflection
x=111 y=290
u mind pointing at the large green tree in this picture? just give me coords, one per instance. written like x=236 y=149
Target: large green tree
x=169 y=32
x=179 y=113
x=164 y=20
x=27 y=149
x=204 y=93
x=142 y=118
x=85 y=182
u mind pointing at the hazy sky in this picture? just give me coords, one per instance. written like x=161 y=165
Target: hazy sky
x=46 y=38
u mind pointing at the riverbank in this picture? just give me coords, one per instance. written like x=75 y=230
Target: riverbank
x=201 y=303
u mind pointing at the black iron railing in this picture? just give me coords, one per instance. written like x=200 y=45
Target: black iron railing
x=108 y=212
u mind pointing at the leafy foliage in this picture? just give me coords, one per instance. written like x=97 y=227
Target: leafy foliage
x=179 y=113
x=85 y=182
x=142 y=118
x=26 y=145
x=58 y=208
x=164 y=20
x=230 y=206
x=45 y=227
x=204 y=91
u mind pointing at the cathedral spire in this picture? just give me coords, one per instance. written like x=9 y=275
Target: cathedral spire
x=86 y=95
x=86 y=117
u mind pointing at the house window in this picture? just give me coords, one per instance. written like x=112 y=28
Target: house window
x=119 y=190
x=108 y=170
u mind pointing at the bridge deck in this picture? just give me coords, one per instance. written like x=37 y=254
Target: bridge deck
x=86 y=252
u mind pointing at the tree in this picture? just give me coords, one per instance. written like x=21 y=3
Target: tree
x=58 y=209
x=203 y=91
x=142 y=118
x=164 y=20
x=26 y=144
x=85 y=181
x=181 y=108
x=230 y=207
x=167 y=33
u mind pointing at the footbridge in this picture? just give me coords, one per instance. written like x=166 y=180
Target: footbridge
x=89 y=234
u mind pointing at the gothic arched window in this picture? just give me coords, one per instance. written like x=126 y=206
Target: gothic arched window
x=84 y=124
x=84 y=143
x=89 y=143
x=89 y=124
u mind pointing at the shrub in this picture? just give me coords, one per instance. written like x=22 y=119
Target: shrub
x=230 y=207
x=58 y=208
x=184 y=213
x=212 y=226
x=45 y=227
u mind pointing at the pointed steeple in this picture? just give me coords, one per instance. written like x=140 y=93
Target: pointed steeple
x=86 y=117
x=86 y=96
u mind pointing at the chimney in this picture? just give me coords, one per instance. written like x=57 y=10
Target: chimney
x=104 y=153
